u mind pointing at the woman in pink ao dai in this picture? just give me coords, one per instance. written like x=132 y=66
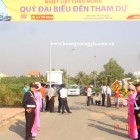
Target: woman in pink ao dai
x=132 y=128
x=38 y=98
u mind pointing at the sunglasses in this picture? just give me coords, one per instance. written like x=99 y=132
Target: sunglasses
x=130 y=90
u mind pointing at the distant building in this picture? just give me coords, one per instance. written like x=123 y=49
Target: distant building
x=34 y=73
x=3 y=75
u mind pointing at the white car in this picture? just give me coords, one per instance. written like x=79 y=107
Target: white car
x=73 y=90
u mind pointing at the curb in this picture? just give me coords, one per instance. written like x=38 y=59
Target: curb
x=10 y=119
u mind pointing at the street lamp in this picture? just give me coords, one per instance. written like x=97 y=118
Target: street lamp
x=50 y=64
x=67 y=77
x=73 y=49
x=110 y=71
x=95 y=77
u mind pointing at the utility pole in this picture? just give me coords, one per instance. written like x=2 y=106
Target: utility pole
x=50 y=62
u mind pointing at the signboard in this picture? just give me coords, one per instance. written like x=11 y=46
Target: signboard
x=56 y=77
x=69 y=10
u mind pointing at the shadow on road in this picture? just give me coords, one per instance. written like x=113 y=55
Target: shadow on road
x=99 y=109
x=19 y=128
x=108 y=130
x=108 y=125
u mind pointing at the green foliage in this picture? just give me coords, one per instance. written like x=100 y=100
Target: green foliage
x=98 y=89
x=82 y=78
x=65 y=77
x=130 y=75
x=93 y=78
x=19 y=80
x=11 y=89
x=7 y=96
x=112 y=72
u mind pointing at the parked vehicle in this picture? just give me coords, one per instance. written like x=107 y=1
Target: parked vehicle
x=73 y=90
x=84 y=92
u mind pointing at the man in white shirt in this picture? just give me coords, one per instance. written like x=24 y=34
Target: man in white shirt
x=97 y=99
x=108 y=93
x=103 y=92
x=51 y=94
x=63 y=96
x=89 y=95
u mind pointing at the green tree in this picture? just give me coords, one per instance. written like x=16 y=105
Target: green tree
x=101 y=78
x=130 y=75
x=71 y=80
x=112 y=72
x=93 y=77
x=65 y=76
x=82 y=78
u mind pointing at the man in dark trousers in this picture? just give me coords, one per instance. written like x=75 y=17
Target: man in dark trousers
x=51 y=95
x=59 y=100
x=63 y=96
x=103 y=93
x=137 y=107
x=29 y=104
x=89 y=94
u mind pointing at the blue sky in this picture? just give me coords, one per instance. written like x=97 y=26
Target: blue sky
x=24 y=46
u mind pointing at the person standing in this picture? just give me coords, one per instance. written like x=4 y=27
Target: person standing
x=29 y=104
x=47 y=99
x=91 y=97
x=116 y=97
x=89 y=94
x=137 y=108
x=63 y=96
x=51 y=95
x=43 y=93
x=38 y=98
x=132 y=128
x=103 y=92
x=59 y=100
x=25 y=88
x=108 y=94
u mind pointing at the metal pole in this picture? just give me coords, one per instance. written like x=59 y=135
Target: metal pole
x=95 y=80
x=67 y=76
x=50 y=61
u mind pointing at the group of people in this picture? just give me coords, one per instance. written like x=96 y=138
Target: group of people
x=105 y=95
x=37 y=97
x=99 y=98
x=62 y=99
x=133 y=102
x=32 y=102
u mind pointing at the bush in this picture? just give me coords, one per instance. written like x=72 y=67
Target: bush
x=98 y=89
x=11 y=89
x=8 y=97
x=17 y=102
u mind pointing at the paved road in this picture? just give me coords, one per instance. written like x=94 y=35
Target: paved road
x=84 y=123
